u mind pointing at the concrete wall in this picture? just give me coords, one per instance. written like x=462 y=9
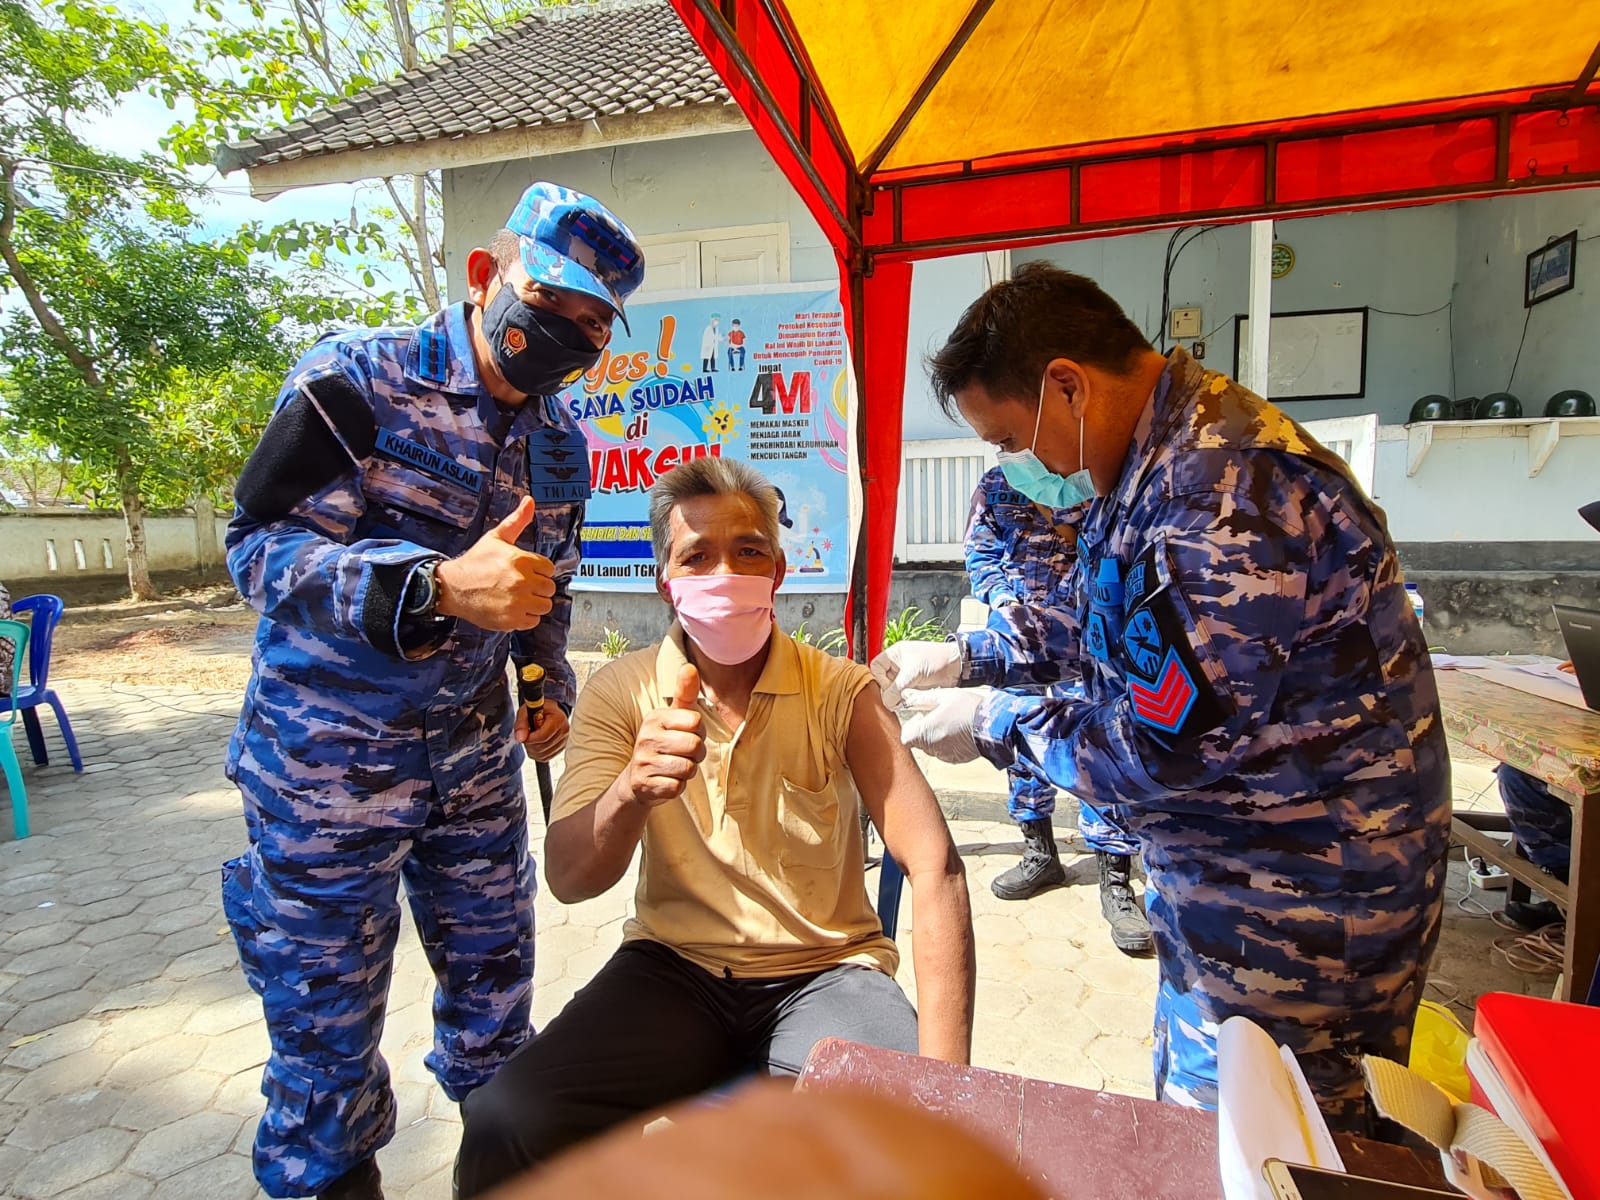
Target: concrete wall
x=172 y=543
x=1478 y=489
x=1494 y=238
x=1399 y=261
x=679 y=185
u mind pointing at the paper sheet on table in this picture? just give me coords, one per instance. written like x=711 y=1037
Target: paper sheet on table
x=1466 y=662
x=1495 y=1155
x=1264 y=1110
x=1558 y=686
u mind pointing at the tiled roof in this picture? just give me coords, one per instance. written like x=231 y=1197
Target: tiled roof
x=553 y=67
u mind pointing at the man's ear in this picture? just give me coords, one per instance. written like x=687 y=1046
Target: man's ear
x=661 y=586
x=783 y=571
x=481 y=272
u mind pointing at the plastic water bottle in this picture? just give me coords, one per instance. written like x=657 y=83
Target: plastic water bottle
x=1417 y=606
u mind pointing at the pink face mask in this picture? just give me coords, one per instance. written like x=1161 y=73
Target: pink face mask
x=728 y=616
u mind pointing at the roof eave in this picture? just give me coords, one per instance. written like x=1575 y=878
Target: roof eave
x=505 y=145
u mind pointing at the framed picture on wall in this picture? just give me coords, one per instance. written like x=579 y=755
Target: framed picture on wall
x=1552 y=269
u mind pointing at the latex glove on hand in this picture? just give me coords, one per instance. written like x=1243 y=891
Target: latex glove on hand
x=916 y=665
x=942 y=721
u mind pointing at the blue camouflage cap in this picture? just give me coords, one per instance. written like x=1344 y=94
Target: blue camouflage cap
x=572 y=241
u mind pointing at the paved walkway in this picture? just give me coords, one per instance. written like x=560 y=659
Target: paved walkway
x=131 y=1050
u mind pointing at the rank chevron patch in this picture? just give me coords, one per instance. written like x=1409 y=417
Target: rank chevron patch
x=1166 y=705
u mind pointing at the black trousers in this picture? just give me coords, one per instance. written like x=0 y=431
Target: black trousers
x=652 y=1028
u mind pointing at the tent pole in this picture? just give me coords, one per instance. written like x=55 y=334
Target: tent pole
x=859 y=569
x=1256 y=357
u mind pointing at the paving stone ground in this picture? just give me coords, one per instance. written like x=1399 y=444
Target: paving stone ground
x=131 y=1050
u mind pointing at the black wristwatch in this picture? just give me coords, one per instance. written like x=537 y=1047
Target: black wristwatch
x=422 y=591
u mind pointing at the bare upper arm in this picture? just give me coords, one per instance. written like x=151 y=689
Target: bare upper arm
x=893 y=788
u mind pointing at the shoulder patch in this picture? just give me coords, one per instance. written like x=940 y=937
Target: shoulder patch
x=1168 y=689
x=432 y=357
x=1143 y=579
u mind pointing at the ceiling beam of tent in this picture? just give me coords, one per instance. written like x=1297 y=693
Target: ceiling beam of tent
x=724 y=32
x=1258 y=160
x=812 y=94
x=958 y=43
x=1581 y=85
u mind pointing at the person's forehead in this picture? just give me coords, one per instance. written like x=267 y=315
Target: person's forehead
x=725 y=515
x=986 y=413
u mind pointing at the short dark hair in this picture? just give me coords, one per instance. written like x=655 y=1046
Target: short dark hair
x=506 y=249
x=1010 y=333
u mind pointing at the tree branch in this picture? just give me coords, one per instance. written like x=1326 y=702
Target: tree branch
x=416 y=221
x=42 y=311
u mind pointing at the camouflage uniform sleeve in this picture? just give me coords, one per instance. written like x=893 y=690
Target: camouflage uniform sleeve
x=297 y=504
x=1022 y=645
x=986 y=554
x=546 y=642
x=1213 y=605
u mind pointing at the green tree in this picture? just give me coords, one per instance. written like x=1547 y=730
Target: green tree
x=274 y=61
x=117 y=297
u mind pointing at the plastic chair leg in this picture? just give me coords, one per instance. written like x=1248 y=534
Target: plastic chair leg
x=66 y=730
x=19 y=794
x=30 y=722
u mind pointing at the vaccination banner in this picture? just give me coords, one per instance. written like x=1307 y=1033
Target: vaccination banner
x=754 y=374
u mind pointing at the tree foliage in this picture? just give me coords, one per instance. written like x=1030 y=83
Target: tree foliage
x=275 y=61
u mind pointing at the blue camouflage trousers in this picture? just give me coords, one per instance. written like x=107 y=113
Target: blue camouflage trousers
x=1032 y=797
x=1333 y=977
x=314 y=908
x=1541 y=822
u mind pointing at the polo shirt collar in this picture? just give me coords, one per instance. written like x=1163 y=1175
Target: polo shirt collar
x=780 y=677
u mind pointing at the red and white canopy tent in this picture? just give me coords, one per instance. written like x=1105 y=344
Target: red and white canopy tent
x=919 y=129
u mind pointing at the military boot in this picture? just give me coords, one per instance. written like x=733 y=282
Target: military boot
x=1130 y=928
x=1040 y=866
x=361 y=1182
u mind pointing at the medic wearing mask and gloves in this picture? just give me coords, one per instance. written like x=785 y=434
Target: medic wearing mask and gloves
x=1259 y=705
x=409 y=519
x=734 y=755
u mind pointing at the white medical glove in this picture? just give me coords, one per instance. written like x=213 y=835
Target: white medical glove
x=942 y=722
x=916 y=665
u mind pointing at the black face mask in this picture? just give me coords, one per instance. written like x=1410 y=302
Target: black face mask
x=539 y=352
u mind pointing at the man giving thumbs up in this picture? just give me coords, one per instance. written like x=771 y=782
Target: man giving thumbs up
x=409 y=521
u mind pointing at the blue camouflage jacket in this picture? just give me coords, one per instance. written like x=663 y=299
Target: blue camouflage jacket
x=1014 y=552
x=385 y=450
x=1240 y=624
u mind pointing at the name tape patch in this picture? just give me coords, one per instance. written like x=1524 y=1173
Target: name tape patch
x=428 y=460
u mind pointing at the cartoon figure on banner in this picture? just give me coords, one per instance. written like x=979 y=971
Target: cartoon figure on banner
x=736 y=339
x=709 y=341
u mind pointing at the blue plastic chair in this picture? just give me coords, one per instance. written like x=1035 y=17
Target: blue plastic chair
x=16 y=633
x=46 y=612
x=890 y=880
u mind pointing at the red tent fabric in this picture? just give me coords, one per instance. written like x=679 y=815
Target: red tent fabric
x=892 y=122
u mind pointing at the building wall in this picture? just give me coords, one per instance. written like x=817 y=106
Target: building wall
x=1493 y=241
x=172 y=543
x=678 y=185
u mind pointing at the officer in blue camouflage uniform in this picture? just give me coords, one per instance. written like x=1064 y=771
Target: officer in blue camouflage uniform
x=1020 y=552
x=1259 y=701
x=410 y=518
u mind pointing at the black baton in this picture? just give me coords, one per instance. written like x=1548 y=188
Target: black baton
x=530 y=691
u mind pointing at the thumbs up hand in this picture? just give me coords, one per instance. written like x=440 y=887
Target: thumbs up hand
x=669 y=747
x=495 y=584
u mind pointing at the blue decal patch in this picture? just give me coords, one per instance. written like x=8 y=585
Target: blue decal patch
x=1142 y=641
x=1166 y=705
x=428 y=460
x=558 y=465
x=1094 y=637
x=1136 y=583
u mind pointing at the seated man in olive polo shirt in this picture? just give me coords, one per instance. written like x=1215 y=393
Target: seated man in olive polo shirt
x=734 y=754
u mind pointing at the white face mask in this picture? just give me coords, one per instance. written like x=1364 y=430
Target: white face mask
x=1039 y=483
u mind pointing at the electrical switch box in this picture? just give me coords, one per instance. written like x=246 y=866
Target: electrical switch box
x=1185 y=323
